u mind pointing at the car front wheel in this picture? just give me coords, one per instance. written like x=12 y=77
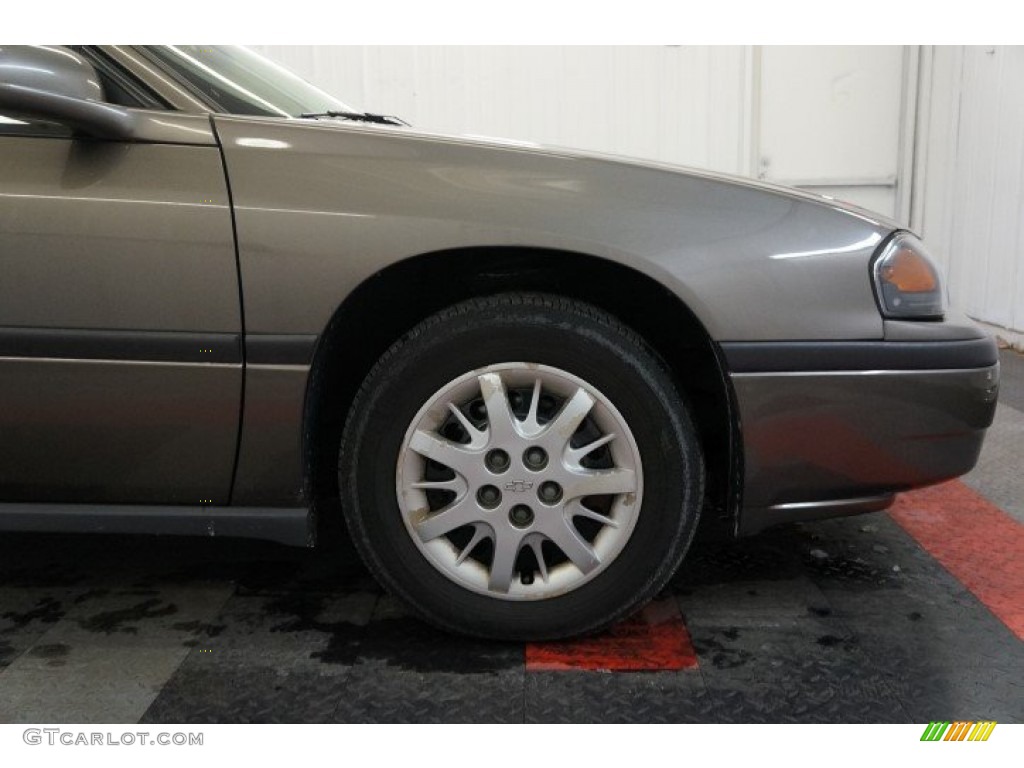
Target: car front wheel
x=522 y=467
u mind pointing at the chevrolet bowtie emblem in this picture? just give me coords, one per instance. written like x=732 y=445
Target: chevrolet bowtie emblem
x=518 y=486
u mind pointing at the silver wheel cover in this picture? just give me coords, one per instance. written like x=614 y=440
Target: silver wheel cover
x=574 y=514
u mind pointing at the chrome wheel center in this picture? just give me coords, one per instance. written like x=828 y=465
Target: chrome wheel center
x=519 y=481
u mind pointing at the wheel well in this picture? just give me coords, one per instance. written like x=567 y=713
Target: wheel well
x=395 y=299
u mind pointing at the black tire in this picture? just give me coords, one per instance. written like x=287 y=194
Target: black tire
x=548 y=330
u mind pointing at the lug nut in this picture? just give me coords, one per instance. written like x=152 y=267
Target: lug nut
x=520 y=516
x=550 y=492
x=488 y=496
x=535 y=458
x=497 y=461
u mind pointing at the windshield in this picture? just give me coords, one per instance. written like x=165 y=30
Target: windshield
x=241 y=82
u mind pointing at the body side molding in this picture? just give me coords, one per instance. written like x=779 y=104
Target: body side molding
x=126 y=345
x=807 y=356
x=292 y=526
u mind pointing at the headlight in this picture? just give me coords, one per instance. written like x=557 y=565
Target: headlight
x=906 y=280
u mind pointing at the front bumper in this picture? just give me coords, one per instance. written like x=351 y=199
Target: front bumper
x=820 y=443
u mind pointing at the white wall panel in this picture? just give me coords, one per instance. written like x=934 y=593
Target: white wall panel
x=830 y=120
x=970 y=183
x=680 y=104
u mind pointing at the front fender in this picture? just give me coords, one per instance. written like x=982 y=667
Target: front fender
x=321 y=207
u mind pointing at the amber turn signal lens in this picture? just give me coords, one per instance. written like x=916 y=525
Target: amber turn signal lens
x=909 y=272
x=907 y=283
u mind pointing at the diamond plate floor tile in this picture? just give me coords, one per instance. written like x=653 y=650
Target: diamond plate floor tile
x=819 y=698
x=376 y=692
x=961 y=692
x=269 y=658
x=621 y=697
x=408 y=671
x=292 y=631
x=231 y=693
x=757 y=602
x=969 y=635
x=811 y=670
x=108 y=656
x=26 y=614
x=397 y=640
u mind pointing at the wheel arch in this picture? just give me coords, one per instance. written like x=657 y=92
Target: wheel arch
x=392 y=301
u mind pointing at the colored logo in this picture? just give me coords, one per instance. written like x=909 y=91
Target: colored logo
x=959 y=731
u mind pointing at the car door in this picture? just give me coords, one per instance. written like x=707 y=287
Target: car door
x=120 y=319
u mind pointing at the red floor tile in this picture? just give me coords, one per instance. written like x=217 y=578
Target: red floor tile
x=653 y=640
x=976 y=541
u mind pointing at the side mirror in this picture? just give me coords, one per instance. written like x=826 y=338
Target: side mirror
x=53 y=83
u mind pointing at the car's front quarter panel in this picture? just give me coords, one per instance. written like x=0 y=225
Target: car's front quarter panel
x=320 y=208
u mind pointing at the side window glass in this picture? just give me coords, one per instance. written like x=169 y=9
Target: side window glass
x=116 y=93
